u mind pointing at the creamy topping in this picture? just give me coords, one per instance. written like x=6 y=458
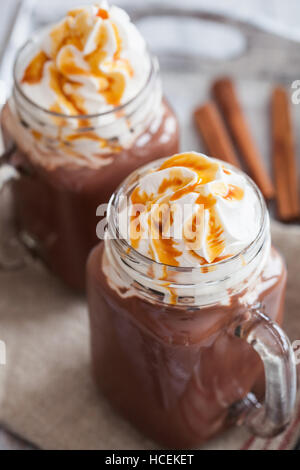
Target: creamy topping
x=89 y=63
x=192 y=211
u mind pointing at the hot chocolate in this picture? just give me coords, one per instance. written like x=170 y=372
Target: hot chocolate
x=178 y=323
x=86 y=111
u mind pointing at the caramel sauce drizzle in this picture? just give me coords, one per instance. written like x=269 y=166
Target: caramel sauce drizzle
x=235 y=193
x=135 y=231
x=103 y=14
x=173 y=182
x=206 y=170
x=37 y=135
x=215 y=243
x=74 y=31
x=166 y=249
x=34 y=72
x=173 y=296
x=207 y=201
x=87 y=135
x=141 y=198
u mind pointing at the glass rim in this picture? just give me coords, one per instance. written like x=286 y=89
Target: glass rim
x=128 y=248
x=154 y=69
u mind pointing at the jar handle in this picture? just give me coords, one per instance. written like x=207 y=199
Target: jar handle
x=7 y=171
x=8 y=243
x=271 y=417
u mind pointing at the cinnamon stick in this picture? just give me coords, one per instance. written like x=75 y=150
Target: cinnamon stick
x=215 y=136
x=226 y=96
x=284 y=157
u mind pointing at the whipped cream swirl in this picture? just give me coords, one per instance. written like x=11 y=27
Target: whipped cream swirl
x=79 y=72
x=192 y=211
x=92 y=61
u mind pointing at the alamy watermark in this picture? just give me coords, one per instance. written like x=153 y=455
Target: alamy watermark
x=163 y=221
x=296 y=93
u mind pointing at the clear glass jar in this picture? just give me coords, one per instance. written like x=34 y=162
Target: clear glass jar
x=182 y=352
x=66 y=170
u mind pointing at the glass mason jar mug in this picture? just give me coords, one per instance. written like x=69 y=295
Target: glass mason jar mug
x=184 y=370
x=69 y=165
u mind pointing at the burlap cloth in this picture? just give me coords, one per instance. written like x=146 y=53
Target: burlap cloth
x=46 y=392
